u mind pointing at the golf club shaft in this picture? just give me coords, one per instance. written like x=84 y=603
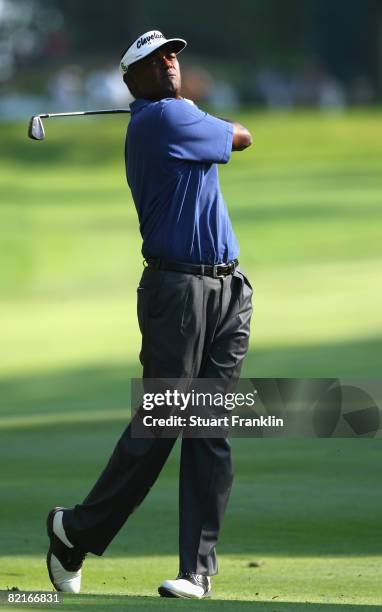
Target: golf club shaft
x=95 y=112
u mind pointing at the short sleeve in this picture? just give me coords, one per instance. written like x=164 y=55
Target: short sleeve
x=191 y=134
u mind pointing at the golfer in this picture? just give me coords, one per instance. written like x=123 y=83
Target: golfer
x=194 y=310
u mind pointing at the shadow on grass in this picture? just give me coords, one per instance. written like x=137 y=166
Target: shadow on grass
x=361 y=357
x=86 y=389
x=108 y=387
x=122 y=602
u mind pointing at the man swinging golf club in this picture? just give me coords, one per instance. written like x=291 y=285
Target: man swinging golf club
x=194 y=310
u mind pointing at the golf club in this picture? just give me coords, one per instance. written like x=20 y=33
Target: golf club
x=36 y=129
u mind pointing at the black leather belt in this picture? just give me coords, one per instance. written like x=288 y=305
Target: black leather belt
x=217 y=271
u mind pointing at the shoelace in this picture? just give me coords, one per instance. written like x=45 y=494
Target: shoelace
x=198 y=579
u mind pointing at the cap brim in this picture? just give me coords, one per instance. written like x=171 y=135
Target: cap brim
x=178 y=44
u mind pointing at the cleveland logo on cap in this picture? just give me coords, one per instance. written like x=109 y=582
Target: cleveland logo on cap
x=148 y=39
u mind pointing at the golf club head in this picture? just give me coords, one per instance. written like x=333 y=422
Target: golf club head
x=36 y=129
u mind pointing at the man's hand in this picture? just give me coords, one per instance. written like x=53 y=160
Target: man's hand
x=241 y=137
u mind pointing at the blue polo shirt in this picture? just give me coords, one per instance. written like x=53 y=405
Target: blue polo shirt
x=172 y=149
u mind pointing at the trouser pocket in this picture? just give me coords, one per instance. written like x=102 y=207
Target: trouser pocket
x=169 y=316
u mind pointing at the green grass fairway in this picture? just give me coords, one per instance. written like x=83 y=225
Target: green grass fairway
x=303 y=531
x=307 y=513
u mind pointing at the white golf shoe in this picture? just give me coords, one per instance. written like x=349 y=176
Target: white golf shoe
x=64 y=561
x=186 y=586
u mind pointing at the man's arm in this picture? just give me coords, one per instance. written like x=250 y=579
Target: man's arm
x=241 y=136
x=193 y=135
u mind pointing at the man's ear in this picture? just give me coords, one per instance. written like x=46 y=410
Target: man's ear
x=131 y=84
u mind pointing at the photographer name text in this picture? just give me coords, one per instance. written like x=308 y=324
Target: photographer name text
x=232 y=420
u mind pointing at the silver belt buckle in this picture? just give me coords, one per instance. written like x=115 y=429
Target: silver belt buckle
x=215 y=271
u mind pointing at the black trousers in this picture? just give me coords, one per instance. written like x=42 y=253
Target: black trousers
x=192 y=326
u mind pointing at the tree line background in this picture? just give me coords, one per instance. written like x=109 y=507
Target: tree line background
x=344 y=35
x=341 y=37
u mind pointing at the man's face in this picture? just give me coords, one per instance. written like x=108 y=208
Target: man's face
x=156 y=76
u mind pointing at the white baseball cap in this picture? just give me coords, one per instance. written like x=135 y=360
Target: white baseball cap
x=146 y=44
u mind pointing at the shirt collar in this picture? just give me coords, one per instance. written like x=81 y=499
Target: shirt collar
x=138 y=104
